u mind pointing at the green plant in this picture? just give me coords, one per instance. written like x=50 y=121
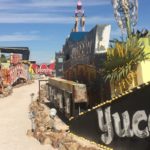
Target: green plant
x=123 y=58
x=3 y=58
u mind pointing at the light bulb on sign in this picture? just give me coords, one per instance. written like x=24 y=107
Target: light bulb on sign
x=53 y=112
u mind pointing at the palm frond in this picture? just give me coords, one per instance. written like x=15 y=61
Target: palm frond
x=123 y=58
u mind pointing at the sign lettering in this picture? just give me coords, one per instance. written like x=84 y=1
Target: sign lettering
x=111 y=124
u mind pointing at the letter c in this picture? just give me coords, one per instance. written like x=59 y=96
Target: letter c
x=138 y=117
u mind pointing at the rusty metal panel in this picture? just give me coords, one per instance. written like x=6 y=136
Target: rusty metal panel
x=79 y=91
x=61 y=84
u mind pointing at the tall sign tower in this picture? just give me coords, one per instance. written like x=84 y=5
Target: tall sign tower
x=126 y=14
x=79 y=16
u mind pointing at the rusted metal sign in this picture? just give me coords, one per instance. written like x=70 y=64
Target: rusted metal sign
x=78 y=90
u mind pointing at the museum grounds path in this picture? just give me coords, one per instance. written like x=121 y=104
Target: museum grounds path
x=14 y=120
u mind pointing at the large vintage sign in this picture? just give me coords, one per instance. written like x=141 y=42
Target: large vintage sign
x=18 y=71
x=102 y=39
x=122 y=124
x=94 y=42
x=44 y=68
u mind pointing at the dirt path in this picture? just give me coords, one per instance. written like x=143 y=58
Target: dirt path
x=14 y=121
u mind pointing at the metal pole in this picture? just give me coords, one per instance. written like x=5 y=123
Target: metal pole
x=79 y=109
x=39 y=90
x=0 y=56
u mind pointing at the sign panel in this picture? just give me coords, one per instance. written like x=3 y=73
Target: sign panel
x=102 y=39
x=18 y=71
x=44 y=68
x=123 y=124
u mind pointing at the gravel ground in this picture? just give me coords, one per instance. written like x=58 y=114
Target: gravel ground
x=14 y=121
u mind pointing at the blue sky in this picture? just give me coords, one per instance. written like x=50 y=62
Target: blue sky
x=43 y=25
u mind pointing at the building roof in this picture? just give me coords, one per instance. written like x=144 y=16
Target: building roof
x=15 y=48
x=77 y=36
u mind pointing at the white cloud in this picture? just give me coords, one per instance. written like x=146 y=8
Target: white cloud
x=59 y=3
x=14 y=4
x=45 y=18
x=99 y=20
x=18 y=37
x=45 y=11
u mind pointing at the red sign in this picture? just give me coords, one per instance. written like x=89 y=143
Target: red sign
x=44 y=68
